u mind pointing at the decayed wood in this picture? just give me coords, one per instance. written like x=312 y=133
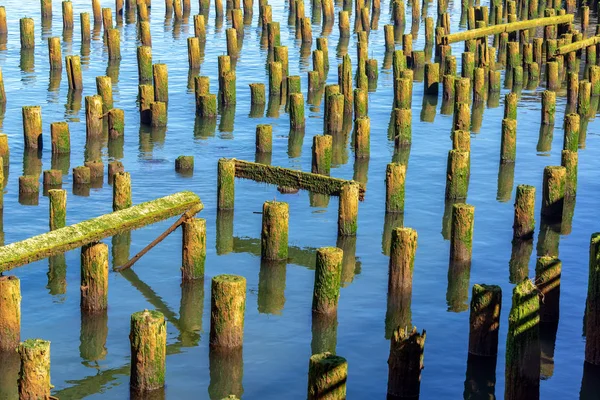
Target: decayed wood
x=292 y=178
x=95 y=229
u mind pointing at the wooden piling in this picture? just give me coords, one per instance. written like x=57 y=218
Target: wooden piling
x=524 y=221
x=32 y=127
x=121 y=191
x=148 y=338
x=274 y=234
x=553 y=191
x=27 y=33
x=228 y=304
x=552 y=76
x=158 y=112
x=114 y=44
x=67 y=14
x=81 y=175
x=93 y=116
x=321 y=154
x=508 y=145
x=10 y=311
x=522 y=371
x=207 y=106
x=161 y=82
x=511 y=101
x=461 y=236
x=362 y=137
x=225 y=184
x=193 y=249
x=569 y=159
x=193 y=44
x=34 y=375
x=73 y=66
x=592 y=314
x=327 y=374
x=484 y=320
x=571 y=132
x=104 y=89
x=402 y=119
x=114 y=167
x=54 y=53
x=405 y=363
x=547 y=278
x=257 y=93
x=58 y=208
x=548 y=107
x=116 y=123
x=348 y=209
x=94 y=277
x=457 y=175
x=583 y=103
x=395 y=178
x=296 y=109
x=432 y=78
x=328 y=272
x=145 y=33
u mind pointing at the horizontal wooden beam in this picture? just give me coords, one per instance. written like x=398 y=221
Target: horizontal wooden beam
x=582 y=44
x=510 y=27
x=95 y=229
x=292 y=178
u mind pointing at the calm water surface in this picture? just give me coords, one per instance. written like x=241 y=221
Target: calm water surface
x=91 y=358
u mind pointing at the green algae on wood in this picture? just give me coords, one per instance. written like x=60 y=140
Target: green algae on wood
x=10 y=312
x=121 y=191
x=592 y=309
x=74 y=236
x=547 y=278
x=548 y=107
x=58 y=208
x=32 y=127
x=328 y=274
x=569 y=160
x=402 y=261
x=148 y=337
x=228 y=305
x=348 y=209
x=522 y=371
x=288 y=178
x=394 y=183
x=274 y=234
x=226 y=173
x=484 y=320
x=321 y=154
x=508 y=143
x=34 y=375
x=327 y=375
x=362 y=137
x=193 y=248
x=161 y=82
x=553 y=191
x=144 y=60
x=524 y=221
x=407 y=349
x=461 y=236
x=457 y=175
x=94 y=277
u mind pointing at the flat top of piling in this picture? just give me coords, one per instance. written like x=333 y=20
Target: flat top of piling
x=327 y=358
x=229 y=278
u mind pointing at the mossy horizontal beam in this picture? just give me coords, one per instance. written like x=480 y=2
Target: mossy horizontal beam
x=292 y=178
x=582 y=44
x=510 y=27
x=74 y=236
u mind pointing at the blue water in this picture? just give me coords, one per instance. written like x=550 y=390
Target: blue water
x=277 y=344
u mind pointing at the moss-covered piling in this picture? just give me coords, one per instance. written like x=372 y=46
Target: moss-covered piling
x=348 y=209
x=94 y=277
x=524 y=221
x=274 y=234
x=553 y=191
x=548 y=107
x=405 y=363
x=508 y=144
x=32 y=127
x=228 y=304
x=27 y=33
x=193 y=249
x=395 y=177
x=327 y=375
x=457 y=175
x=93 y=116
x=34 y=375
x=10 y=312
x=58 y=208
x=321 y=154
x=54 y=54
x=121 y=191
x=484 y=320
x=74 y=76
x=148 y=338
x=327 y=280
x=571 y=132
x=461 y=236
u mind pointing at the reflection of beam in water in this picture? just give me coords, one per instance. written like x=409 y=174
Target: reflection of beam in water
x=324 y=333
x=271 y=287
x=151 y=297
x=480 y=382
x=318 y=200
x=226 y=373
x=11 y=364
x=519 y=260
x=92 y=338
x=457 y=294
x=191 y=310
x=590 y=383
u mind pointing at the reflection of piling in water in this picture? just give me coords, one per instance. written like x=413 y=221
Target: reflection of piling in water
x=350 y=266
x=590 y=383
x=506 y=176
x=57 y=275
x=121 y=243
x=191 y=310
x=327 y=376
x=11 y=364
x=92 y=336
x=522 y=375
x=224 y=234
x=271 y=287
x=519 y=260
x=226 y=373
x=480 y=382
x=324 y=333
x=548 y=239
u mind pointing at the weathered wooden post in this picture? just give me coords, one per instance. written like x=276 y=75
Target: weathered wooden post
x=394 y=184
x=116 y=123
x=121 y=191
x=461 y=236
x=193 y=249
x=592 y=314
x=94 y=277
x=348 y=209
x=73 y=66
x=296 y=111
x=54 y=53
x=34 y=376
x=32 y=127
x=571 y=132
x=362 y=134
x=184 y=165
x=484 y=320
x=405 y=363
x=161 y=82
x=10 y=309
x=158 y=112
x=148 y=337
x=274 y=234
x=327 y=375
x=93 y=116
x=104 y=88
x=457 y=175
x=27 y=33
x=569 y=159
x=522 y=344
x=321 y=154
x=549 y=107
x=328 y=272
x=553 y=191
x=524 y=221
x=264 y=138
x=508 y=144
x=194 y=52
x=58 y=208
x=227 y=305
x=225 y=184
